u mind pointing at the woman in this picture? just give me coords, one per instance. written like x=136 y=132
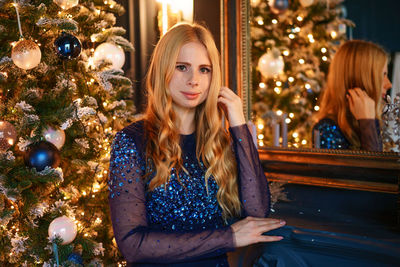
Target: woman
x=174 y=181
x=350 y=107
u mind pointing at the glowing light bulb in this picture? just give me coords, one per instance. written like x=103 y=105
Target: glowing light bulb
x=307 y=86
x=287 y=120
x=304 y=142
x=292 y=36
x=291 y=115
x=260 y=136
x=324 y=58
x=279 y=112
x=295 y=135
x=260 y=22
x=291 y=79
x=286 y=52
x=274 y=21
x=278 y=83
x=260 y=126
x=323 y=50
x=316 y=108
x=262 y=85
x=277 y=90
x=301 y=61
x=299 y=18
x=333 y=34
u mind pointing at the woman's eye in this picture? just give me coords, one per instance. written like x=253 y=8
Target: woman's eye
x=181 y=67
x=205 y=70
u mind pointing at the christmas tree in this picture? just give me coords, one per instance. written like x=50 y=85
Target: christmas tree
x=62 y=98
x=293 y=42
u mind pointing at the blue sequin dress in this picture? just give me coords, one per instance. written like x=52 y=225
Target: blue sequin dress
x=331 y=137
x=179 y=224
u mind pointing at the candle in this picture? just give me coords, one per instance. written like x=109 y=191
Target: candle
x=317 y=140
x=275 y=133
x=284 y=130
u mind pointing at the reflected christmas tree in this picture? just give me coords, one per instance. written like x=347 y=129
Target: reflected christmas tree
x=61 y=102
x=293 y=42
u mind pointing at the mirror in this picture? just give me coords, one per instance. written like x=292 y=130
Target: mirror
x=249 y=84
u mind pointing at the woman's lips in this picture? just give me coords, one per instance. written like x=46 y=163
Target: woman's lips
x=191 y=96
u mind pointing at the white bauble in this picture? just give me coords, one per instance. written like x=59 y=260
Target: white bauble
x=26 y=54
x=54 y=136
x=66 y=4
x=306 y=3
x=64 y=228
x=255 y=3
x=110 y=52
x=271 y=63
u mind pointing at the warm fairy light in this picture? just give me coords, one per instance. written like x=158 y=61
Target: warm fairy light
x=73 y=80
x=297 y=139
x=104 y=104
x=291 y=79
x=93 y=196
x=301 y=61
x=262 y=85
x=260 y=126
x=261 y=143
x=65 y=198
x=323 y=50
x=310 y=36
x=96 y=187
x=13 y=44
x=91 y=62
x=277 y=90
x=92 y=80
x=299 y=18
x=84 y=193
x=12 y=207
x=4 y=74
x=295 y=135
x=92 y=50
x=278 y=83
x=88 y=83
x=316 y=108
x=291 y=115
x=98 y=221
x=324 y=58
x=114 y=117
x=274 y=21
x=89 y=123
x=105 y=172
x=286 y=52
x=297 y=29
x=111 y=6
x=82 y=213
x=307 y=86
x=86 y=234
x=59 y=12
x=279 y=112
x=260 y=136
x=287 y=120
x=333 y=34
x=260 y=22
x=105 y=2
x=292 y=36
x=103 y=29
x=304 y=142
x=93 y=39
x=98 y=11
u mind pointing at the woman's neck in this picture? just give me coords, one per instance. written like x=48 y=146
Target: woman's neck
x=185 y=120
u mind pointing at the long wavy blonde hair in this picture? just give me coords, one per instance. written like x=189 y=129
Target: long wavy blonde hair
x=356 y=64
x=212 y=140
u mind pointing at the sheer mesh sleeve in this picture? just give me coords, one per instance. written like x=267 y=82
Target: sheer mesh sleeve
x=137 y=241
x=329 y=135
x=253 y=185
x=370 y=135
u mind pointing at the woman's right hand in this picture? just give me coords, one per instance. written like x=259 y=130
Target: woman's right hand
x=361 y=105
x=249 y=230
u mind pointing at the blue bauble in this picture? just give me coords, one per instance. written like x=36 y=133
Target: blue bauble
x=75 y=258
x=41 y=155
x=68 y=46
x=279 y=6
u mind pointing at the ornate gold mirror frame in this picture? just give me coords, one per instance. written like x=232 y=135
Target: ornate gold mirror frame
x=356 y=170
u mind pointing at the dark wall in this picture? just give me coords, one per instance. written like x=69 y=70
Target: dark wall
x=377 y=21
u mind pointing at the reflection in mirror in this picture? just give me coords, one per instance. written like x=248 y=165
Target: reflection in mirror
x=292 y=46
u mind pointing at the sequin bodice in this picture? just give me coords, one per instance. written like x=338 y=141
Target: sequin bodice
x=180 y=222
x=184 y=204
x=330 y=135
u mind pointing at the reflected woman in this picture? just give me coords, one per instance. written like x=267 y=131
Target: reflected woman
x=350 y=107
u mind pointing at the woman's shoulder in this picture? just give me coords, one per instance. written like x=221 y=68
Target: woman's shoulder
x=326 y=123
x=131 y=134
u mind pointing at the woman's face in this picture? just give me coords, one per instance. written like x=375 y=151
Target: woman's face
x=191 y=78
x=386 y=85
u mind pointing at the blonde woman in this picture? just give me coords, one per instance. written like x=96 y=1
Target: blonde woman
x=350 y=107
x=177 y=176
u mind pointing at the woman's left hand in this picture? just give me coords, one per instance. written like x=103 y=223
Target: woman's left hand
x=233 y=106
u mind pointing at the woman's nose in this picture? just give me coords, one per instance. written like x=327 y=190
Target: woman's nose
x=193 y=79
x=388 y=84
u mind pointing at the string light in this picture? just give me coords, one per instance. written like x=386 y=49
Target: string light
x=297 y=29
x=260 y=136
x=261 y=143
x=260 y=126
x=316 y=108
x=304 y=142
x=287 y=120
x=299 y=18
x=262 y=85
x=292 y=36
x=333 y=34
x=295 y=135
x=301 y=61
x=274 y=21
x=291 y=115
x=279 y=112
x=307 y=86
x=278 y=83
x=323 y=50
x=260 y=22
x=291 y=79
x=324 y=58
x=277 y=90
x=286 y=52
